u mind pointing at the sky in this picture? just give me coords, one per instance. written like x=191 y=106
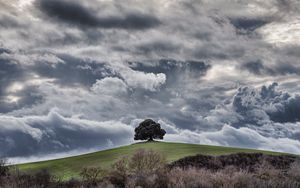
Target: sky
x=79 y=76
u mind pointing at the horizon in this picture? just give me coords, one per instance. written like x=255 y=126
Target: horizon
x=79 y=76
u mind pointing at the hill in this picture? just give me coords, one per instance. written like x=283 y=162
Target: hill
x=71 y=166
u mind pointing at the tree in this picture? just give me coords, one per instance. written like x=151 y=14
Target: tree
x=149 y=130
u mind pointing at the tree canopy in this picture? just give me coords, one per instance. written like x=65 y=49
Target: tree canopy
x=149 y=130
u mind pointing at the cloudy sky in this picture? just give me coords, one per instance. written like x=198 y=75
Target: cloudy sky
x=78 y=76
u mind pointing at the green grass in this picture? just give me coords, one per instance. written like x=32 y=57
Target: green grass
x=71 y=166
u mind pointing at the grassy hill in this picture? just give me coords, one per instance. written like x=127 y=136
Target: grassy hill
x=71 y=166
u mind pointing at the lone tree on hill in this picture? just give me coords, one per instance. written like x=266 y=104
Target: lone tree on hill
x=149 y=130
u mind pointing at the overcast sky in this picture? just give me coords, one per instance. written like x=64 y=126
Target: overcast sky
x=78 y=76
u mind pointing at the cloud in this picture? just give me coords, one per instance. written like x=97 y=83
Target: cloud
x=8 y=72
x=109 y=86
x=267 y=114
x=68 y=70
x=156 y=86
x=157 y=48
x=229 y=136
x=13 y=93
x=245 y=121
x=248 y=24
x=277 y=105
x=77 y=14
x=259 y=68
x=3 y=50
x=176 y=71
x=197 y=65
x=40 y=135
x=171 y=66
x=138 y=79
x=249 y=138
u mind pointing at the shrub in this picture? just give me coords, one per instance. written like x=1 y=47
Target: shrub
x=119 y=172
x=141 y=169
x=266 y=171
x=294 y=171
x=4 y=169
x=92 y=175
x=146 y=161
x=43 y=178
x=182 y=178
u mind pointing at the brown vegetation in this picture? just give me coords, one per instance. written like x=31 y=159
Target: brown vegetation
x=147 y=168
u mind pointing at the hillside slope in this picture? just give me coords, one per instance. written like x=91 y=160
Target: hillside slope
x=71 y=166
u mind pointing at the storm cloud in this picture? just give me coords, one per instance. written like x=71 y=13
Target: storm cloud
x=77 y=75
x=54 y=133
x=258 y=67
x=248 y=24
x=75 y=13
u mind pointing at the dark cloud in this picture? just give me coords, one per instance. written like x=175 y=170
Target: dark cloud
x=285 y=106
x=10 y=21
x=157 y=47
x=26 y=98
x=77 y=14
x=176 y=72
x=219 y=51
x=54 y=133
x=285 y=69
x=73 y=71
x=292 y=51
x=263 y=117
x=288 y=6
x=172 y=67
x=4 y=50
x=247 y=24
x=13 y=72
x=9 y=72
x=263 y=106
x=19 y=83
x=258 y=67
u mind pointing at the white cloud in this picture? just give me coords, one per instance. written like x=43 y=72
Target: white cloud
x=148 y=81
x=110 y=86
x=282 y=34
x=236 y=137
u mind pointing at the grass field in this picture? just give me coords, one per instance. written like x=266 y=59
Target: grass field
x=71 y=166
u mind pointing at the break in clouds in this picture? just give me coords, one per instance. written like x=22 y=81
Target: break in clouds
x=78 y=76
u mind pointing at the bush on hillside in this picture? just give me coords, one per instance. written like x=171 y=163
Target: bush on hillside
x=245 y=161
x=140 y=166
x=92 y=175
x=4 y=169
x=294 y=171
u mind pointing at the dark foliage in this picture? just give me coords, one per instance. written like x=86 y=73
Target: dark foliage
x=4 y=170
x=245 y=161
x=149 y=130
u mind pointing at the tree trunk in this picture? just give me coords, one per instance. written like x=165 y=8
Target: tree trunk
x=150 y=139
